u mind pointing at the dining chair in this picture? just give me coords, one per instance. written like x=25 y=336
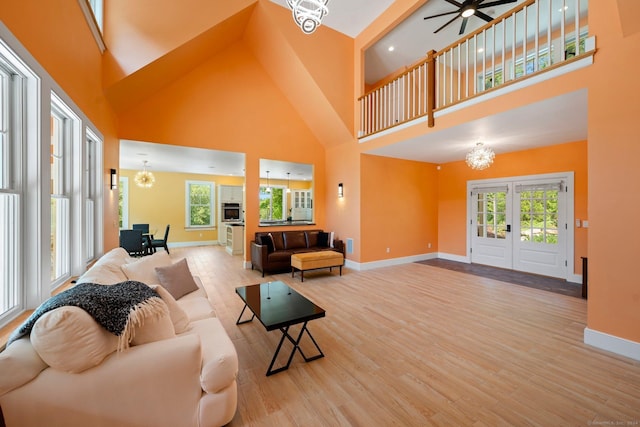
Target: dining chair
x=142 y=227
x=161 y=243
x=133 y=243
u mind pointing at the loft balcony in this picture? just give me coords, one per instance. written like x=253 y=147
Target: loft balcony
x=535 y=41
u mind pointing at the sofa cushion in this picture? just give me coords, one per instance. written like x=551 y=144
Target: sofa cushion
x=279 y=256
x=153 y=328
x=278 y=240
x=144 y=270
x=68 y=339
x=312 y=238
x=179 y=318
x=266 y=239
x=106 y=270
x=19 y=364
x=219 y=357
x=323 y=240
x=294 y=240
x=177 y=278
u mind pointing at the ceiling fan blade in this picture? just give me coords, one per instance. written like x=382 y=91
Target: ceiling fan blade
x=449 y=22
x=441 y=14
x=463 y=26
x=495 y=3
x=483 y=16
x=455 y=3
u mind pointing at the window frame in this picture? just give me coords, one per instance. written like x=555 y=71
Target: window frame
x=188 y=205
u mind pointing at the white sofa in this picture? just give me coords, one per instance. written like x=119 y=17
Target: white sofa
x=163 y=378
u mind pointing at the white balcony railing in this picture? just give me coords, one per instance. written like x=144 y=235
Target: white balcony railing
x=534 y=37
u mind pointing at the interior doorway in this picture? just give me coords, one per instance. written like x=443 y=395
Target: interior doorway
x=522 y=223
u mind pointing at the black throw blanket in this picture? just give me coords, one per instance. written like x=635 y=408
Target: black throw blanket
x=118 y=308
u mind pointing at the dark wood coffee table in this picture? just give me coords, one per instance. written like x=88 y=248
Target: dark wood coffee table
x=277 y=306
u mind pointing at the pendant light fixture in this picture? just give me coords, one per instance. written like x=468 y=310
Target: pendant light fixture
x=480 y=157
x=308 y=14
x=288 y=183
x=144 y=178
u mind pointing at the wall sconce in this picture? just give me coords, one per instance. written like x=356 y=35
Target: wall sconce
x=114 y=179
x=340 y=190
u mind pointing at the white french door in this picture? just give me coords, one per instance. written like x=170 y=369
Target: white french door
x=522 y=223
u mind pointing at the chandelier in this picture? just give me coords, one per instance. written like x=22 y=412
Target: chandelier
x=308 y=14
x=144 y=178
x=480 y=157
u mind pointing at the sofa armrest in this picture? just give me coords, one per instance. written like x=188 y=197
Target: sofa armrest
x=338 y=246
x=259 y=255
x=111 y=393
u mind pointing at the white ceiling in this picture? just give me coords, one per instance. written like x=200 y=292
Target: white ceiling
x=557 y=120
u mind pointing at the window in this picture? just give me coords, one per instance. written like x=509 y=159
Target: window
x=60 y=195
x=72 y=176
x=10 y=213
x=199 y=204
x=97 y=9
x=272 y=204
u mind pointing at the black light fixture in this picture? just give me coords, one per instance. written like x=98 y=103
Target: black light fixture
x=114 y=179
x=340 y=190
x=468 y=10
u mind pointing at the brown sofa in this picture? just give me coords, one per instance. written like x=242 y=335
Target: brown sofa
x=271 y=251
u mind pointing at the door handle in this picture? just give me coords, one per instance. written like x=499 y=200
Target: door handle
x=508 y=228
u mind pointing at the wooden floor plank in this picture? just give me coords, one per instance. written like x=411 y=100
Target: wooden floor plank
x=420 y=345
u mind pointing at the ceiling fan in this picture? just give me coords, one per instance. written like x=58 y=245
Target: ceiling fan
x=467 y=9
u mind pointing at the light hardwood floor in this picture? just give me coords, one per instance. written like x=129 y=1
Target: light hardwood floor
x=417 y=345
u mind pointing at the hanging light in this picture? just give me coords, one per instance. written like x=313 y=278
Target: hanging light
x=308 y=14
x=144 y=178
x=268 y=184
x=288 y=183
x=480 y=157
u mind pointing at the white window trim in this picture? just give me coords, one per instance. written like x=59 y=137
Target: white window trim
x=34 y=235
x=95 y=22
x=124 y=190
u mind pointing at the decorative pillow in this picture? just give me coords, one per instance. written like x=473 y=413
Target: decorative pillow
x=323 y=239
x=178 y=316
x=177 y=279
x=267 y=239
x=153 y=328
x=144 y=270
x=68 y=339
x=331 y=239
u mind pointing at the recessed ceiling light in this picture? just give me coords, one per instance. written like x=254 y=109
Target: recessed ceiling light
x=480 y=50
x=391 y=48
x=565 y=8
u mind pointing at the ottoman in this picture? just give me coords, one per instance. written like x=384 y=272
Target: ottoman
x=315 y=260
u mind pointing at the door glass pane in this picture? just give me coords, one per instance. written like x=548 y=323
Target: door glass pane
x=539 y=216
x=491 y=217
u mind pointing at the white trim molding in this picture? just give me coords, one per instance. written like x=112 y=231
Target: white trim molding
x=617 y=345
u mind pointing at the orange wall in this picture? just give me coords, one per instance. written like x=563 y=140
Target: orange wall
x=452 y=190
x=399 y=208
x=229 y=103
x=57 y=35
x=614 y=175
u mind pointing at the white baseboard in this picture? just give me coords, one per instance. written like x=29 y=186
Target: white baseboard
x=388 y=262
x=617 y=345
x=452 y=257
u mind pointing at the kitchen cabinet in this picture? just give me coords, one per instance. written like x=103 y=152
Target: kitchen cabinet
x=235 y=239
x=230 y=194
